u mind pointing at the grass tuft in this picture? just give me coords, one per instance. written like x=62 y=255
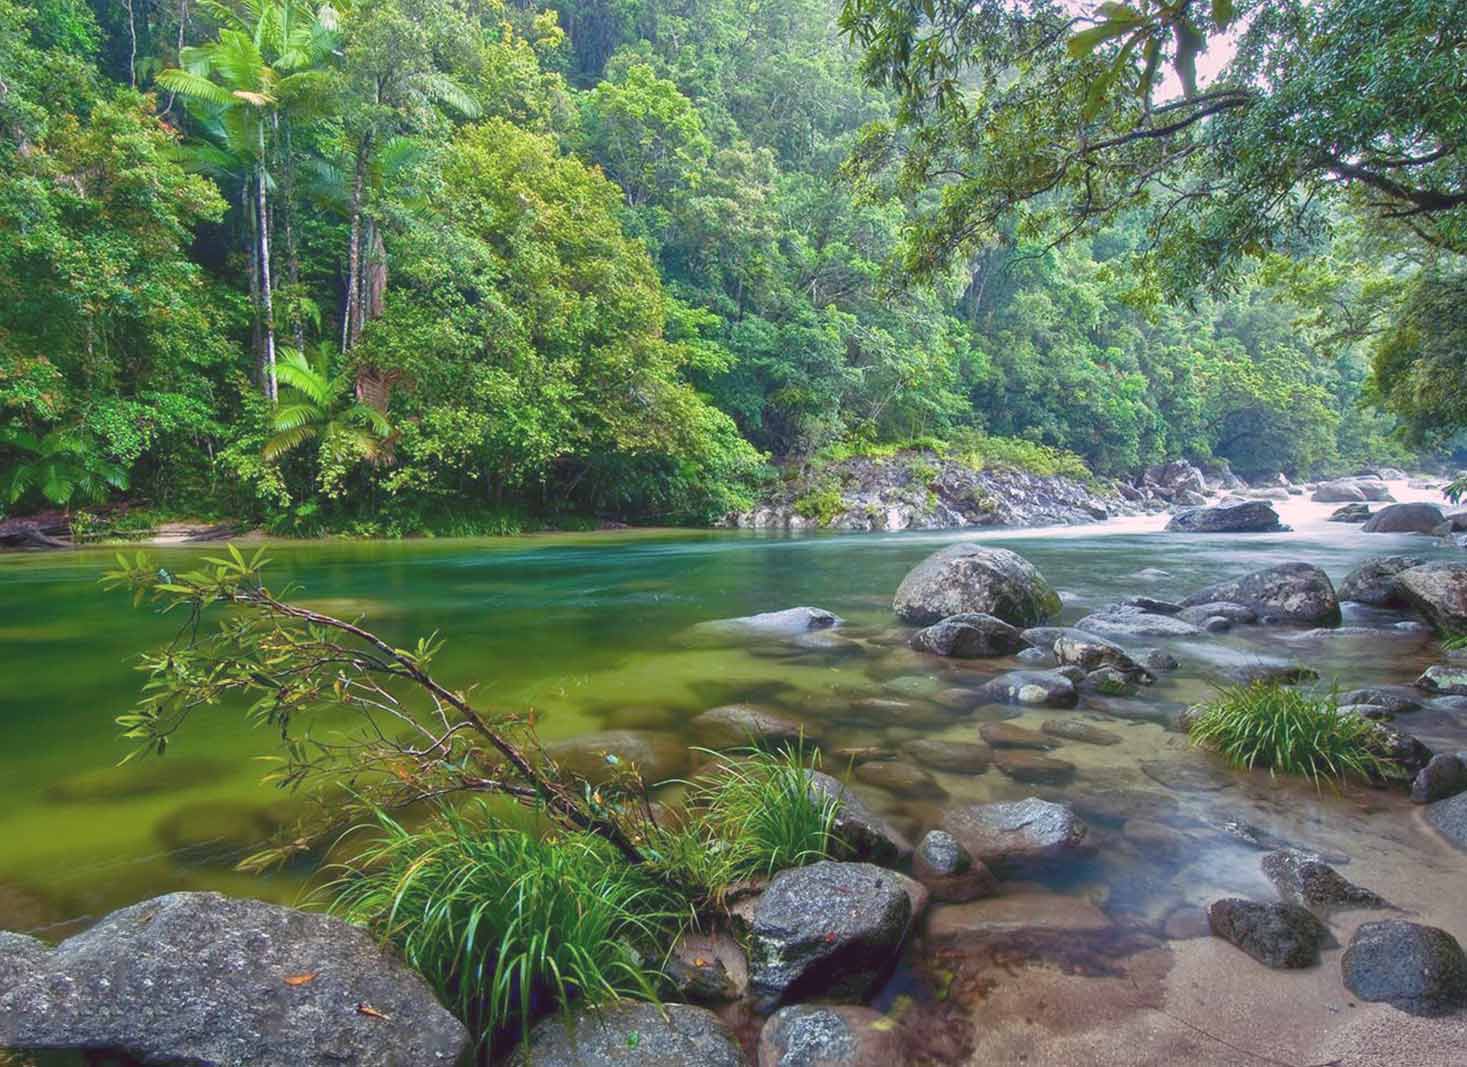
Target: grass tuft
x=504 y=924
x=1265 y=724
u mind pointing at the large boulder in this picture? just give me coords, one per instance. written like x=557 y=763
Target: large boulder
x=1373 y=582
x=1418 y=969
x=859 y=832
x=1291 y=593
x=822 y=1035
x=972 y=635
x=1404 y=518
x=1444 y=776
x=631 y=1034
x=202 y=978
x=1251 y=516
x=1449 y=817
x=1444 y=679
x=971 y=578
x=1173 y=479
x=1276 y=935
x=1018 y=832
x=1340 y=492
x=830 y=930
x=1374 y=489
x=1439 y=592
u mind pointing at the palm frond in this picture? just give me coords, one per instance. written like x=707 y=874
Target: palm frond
x=293 y=416
x=442 y=89
x=286 y=441
x=192 y=86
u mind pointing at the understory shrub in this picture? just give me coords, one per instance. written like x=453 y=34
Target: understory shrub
x=1287 y=730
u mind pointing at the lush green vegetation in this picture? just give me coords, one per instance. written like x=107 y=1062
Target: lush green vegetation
x=1290 y=731
x=552 y=259
x=514 y=886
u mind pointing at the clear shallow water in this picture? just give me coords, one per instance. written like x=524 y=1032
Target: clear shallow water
x=594 y=631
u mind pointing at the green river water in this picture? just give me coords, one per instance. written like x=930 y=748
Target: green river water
x=594 y=630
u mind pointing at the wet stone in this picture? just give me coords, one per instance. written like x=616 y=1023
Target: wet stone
x=1306 y=880
x=900 y=779
x=1185 y=776
x=1075 y=730
x=1200 y=613
x=741 y=725
x=973 y=635
x=1418 y=969
x=1449 y=817
x=1444 y=680
x=1276 y=935
x=946 y=869
x=953 y=757
x=1007 y=735
x=1395 y=699
x=1031 y=768
x=1124 y=623
x=1444 y=776
x=1018 y=832
x=631 y=1035
x=1031 y=688
x=810 y=1035
x=859 y=832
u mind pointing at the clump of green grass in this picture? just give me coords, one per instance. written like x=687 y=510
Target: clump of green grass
x=757 y=813
x=980 y=451
x=1289 y=731
x=504 y=924
x=1453 y=642
x=822 y=502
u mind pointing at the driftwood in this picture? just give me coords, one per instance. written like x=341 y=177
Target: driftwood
x=36 y=531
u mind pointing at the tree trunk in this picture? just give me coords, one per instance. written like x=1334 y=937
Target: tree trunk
x=292 y=253
x=267 y=304
x=354 y=253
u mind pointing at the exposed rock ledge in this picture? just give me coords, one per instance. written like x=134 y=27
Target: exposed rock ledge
x=922 y=491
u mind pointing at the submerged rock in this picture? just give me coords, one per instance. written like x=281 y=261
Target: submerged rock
x=203 y=978
x=743 y=725
x=1292 y=593
x=1251 y=516
x=1075 y=730
x=1418 y=969
x=631 y=1034
x=967 y=577
x=1276 y=935
x=1048 y=689
x=1396 y=699
x=788 y=622
x=1439 y=592
x=901 y=779
x=1198 y=614
x=1122 y=622
x=1076 y=648
x=1007 y=735
x=954 y=757
x=972 y=635
x=1404 y=518
x=1031 y=768
x=810 y=1035
x=829 y=930
x=1304 y=879
x=598 y=757
x=1018 y=832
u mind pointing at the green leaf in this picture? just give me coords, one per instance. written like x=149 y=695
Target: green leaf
x=1086 y=41
x=1222 y=13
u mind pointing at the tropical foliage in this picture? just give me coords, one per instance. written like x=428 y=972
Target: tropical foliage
x=593 y=260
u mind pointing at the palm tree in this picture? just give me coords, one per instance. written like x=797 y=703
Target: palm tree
x=243 y=88
x=320 y=405
x=61 y=465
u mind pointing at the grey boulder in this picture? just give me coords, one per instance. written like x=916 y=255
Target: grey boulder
x=1418 y=969
x=1404 y=518
x=1048 y=689
x=830 y=930
x=1352 y=513
x=1449 y=817
x=1374 y=582
x=1122 y=622
x=972 y=635
x=1251 y=516
x=1304 y=879
x=1292 y=593
x=944 y=866
x=1276 y=935
x=631 y=1034
x=1340 y=492
x=1443 y=679
x=967 y=577
x=1444 y=776
x=821 y=1035
x=206 y=979
x=858 y=831
x=1018 y=832
x=1439 y=592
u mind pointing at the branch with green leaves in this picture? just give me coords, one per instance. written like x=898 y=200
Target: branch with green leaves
x=351 y=710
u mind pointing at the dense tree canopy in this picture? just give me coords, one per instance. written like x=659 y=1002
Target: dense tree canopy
x=458 y=265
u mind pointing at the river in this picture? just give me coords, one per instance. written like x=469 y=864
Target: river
x=596 y=630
